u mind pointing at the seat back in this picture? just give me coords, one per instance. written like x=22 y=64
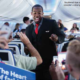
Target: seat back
x=60 y=46
x=7 y=56
x=16 y=40
x=15 y=48
x=21 y=46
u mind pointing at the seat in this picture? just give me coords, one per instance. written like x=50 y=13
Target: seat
x=21 y=46
x=15 y=48
x=16 y=40
x=7 y=56
x=60 y=46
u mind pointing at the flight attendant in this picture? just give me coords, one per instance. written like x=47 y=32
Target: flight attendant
x=43 y=34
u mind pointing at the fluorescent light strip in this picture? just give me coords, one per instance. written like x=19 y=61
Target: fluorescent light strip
x=32 y=1
x=57 y=3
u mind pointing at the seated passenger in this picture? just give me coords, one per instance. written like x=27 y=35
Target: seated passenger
x=24 y=62
x=61 y=26
x=74 y=28
x=16 y=28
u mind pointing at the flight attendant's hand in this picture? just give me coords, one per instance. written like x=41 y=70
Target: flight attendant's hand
x=54 y=37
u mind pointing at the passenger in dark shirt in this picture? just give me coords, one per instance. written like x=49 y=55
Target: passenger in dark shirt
x=60 y=25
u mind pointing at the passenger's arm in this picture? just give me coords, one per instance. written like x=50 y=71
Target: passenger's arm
x=3 y=41
x=32 y=50
x=53 y=72
x=34 y=53
x=10 y=38
x=56 y=72
x=3 y=32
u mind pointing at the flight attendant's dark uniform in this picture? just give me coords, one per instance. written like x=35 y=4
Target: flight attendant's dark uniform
x=44 y=45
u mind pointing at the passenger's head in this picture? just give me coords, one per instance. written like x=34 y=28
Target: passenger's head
x=73 y=58
x=59 y=21
x=17 y=26
x=37 y=13
x=26 y=20
x=6 y=23
x=74 y=25
x=31 y=21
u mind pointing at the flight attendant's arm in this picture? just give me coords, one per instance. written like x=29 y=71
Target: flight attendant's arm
x=57 y=36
